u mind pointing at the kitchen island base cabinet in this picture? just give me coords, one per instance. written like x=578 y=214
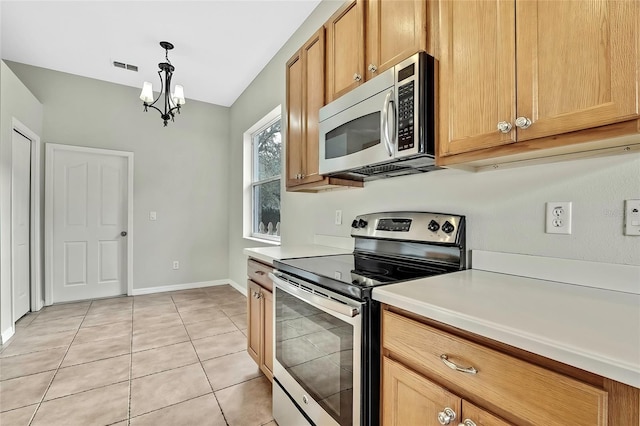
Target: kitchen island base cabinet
x=498 y=385
x=260 y=316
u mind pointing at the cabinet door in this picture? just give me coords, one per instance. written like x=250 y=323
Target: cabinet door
x=479 y=417
x=410 y=399
x=267 y=302
x=254 y=321
x=345 y=49
x=294 y=119
x=395 y=30
x=313 y=80
x=577 y=64
x=477 y=74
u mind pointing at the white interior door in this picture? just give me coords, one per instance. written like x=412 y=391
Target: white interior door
x=20 y=219
x=89 y=214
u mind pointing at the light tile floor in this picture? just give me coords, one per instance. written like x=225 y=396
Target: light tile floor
x=174 y=358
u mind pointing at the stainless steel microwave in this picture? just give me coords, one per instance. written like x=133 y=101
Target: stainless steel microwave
x=383 y=128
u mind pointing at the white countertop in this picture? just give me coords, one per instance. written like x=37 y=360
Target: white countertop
x=595 y=329
x=269 y=254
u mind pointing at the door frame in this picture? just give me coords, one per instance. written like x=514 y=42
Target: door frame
x=35 y=246
x=51 y=149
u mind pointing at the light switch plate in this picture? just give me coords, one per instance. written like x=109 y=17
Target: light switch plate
x=632 y=217
x=152 y=216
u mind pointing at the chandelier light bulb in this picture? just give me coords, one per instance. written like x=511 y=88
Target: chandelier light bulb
x=147 y=93
x=178 y=95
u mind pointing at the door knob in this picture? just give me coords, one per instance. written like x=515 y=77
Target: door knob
x=357 y=77
x=372 y=68
x=123 y=233
x=523 y=122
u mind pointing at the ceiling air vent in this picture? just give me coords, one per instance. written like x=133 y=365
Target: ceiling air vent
x=125 y=66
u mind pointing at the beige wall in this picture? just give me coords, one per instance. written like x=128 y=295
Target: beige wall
x=180 y=170
x=504 y=208
x=16 y=101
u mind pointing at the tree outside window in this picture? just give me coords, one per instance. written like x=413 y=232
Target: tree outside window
x=265 y=181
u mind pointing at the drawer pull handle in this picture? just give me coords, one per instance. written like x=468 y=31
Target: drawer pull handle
x=453 y=366
x=468 y=422
x=260 y=272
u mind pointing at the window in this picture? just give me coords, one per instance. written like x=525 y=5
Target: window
x=266 y=164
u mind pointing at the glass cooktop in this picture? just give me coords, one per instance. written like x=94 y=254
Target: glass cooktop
x=357 y=272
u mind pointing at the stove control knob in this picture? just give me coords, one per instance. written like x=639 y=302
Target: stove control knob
x=362 y=223
x=433 y=226
x=448 y=227
x=354 y=224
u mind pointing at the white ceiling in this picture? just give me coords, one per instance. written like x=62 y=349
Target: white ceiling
x=220 y=46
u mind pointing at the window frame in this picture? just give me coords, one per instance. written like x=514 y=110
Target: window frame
x=254 y=183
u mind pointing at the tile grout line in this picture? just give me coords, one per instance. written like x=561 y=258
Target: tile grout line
x=201 y=366
x=59 y=365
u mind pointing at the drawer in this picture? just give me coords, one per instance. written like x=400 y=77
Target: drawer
x=523 y=392
x=259 y=272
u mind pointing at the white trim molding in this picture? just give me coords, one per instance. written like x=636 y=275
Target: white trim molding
x=48 y=214
x=35 y=247
x=8 y=334
x=186 y=286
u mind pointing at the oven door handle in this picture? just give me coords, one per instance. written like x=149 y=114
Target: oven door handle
x=318 y=301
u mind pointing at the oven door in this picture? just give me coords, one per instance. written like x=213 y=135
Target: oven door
x=317 y=340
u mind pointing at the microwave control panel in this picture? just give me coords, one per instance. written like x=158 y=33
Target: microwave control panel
x=406 y=108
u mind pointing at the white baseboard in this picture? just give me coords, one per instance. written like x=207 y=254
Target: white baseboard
x=238 y=287
x=8 y=333
x=186 y=286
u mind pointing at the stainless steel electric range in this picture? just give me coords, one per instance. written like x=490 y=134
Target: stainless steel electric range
x=326 y=325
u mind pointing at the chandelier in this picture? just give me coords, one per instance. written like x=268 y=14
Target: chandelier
x=172 y=101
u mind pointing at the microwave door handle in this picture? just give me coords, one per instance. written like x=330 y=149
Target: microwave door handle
x=384 y=122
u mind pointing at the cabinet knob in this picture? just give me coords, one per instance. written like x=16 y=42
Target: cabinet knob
x=504 y=126
x=446 y=416
x=357 y=77
x=467 y=422
x=523 y=122
x=372 y=68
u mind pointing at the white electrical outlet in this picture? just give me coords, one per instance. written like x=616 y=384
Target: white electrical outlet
x=338 y=218
x=558 y=220
x=632 y=217
x=176 y=264
x=152 y=216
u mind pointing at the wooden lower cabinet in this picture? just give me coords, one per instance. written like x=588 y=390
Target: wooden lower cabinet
x=411 y=399
x=509 y=387
x=260 y=318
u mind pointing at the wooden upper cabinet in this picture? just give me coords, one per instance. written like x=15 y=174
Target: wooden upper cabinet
x=477 y=74
x=294 y=119
x=395 y=30
x=305 y=97
x=345 y=49
x=313 y=62
x=577 y=64
x=537 y=68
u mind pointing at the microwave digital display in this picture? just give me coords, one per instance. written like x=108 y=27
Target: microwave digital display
x=406 y=72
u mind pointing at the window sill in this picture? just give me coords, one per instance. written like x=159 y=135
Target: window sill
x=263 y=241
